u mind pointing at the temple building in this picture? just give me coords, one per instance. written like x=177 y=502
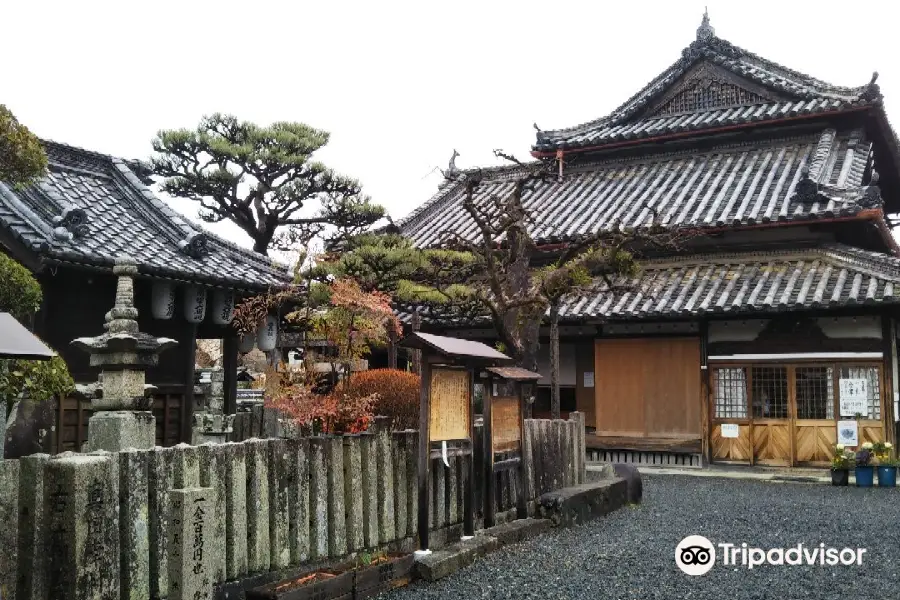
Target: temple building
x=777 y=321
x=71 y=226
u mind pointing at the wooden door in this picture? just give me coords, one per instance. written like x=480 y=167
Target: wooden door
x=648 y=388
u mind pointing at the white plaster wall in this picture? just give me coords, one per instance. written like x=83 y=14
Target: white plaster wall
x=851 y=327
x=735 y=331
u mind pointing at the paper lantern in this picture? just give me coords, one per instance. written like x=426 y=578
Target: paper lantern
x=194 y=304
x=267 y=336
x=163 y=300
x=222 y=307
x=248 y=340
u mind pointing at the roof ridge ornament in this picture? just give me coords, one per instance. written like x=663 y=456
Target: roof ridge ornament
x=706 y=31
x=872 y=90
x=195 y=245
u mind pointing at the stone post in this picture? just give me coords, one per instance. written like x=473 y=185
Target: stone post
x=280 y=482
x=190 y=535
x=134 y=523
x=32 y=528
x=213 y=474
x=386 y=530
x=318 y=498
x=353 y=491
x=299 y=499
x=81 y=509
x=120 y=402
x=258 y=546
x=9 y=527
x=235 y=510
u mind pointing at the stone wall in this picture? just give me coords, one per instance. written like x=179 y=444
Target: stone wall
x=100 y=525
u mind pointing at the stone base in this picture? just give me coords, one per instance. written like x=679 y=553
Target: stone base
x=117 y=430
x=578 y=504
x=441 y=563
x=518 y=530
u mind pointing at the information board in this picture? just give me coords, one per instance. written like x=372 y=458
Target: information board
x=505 y=423
x=448 y=415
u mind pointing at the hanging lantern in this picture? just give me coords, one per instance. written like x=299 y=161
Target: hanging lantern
x=194 y=304
x=248 y=340
x=222 y=307
x=268 y=334
x=163 y=299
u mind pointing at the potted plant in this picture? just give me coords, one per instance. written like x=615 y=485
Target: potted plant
x=865 y=471
x=841 y=461
x=887 y=464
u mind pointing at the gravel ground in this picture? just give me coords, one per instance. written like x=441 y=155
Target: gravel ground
x=630 y=554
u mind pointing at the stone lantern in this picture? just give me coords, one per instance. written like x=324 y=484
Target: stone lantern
x=121 y=399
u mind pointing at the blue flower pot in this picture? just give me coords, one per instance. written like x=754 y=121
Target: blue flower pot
x=865 y=476
x=887 y=476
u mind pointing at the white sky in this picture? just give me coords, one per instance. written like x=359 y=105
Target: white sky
x=398 y=84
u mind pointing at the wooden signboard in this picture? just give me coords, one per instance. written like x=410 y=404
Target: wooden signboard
x=448 y=417
x=505 y=423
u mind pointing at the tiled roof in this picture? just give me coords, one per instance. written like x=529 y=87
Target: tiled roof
x=826 y=277
x=92 y=208
x=765 y=91
x=731 y=185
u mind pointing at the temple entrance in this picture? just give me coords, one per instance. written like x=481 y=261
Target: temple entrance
x=787 y=414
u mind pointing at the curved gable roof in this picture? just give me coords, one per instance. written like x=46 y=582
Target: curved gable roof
x=91 y=208
x=748 y=88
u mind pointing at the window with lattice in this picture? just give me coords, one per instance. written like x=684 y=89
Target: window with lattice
x=731 y=393
x=705 y=94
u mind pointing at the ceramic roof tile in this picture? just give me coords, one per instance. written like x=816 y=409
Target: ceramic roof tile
x=728 y=186
x=122 y=216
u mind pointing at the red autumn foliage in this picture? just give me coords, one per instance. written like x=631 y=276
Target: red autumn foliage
x=336 y=413
x=396 y=392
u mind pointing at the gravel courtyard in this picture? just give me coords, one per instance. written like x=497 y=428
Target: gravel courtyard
x=630 y=554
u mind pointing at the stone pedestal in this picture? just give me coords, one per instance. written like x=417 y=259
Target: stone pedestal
x=117 y=430
x=212 y=428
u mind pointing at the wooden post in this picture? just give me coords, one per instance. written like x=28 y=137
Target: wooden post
x=187 y=409
x=229 y=366
x=469 y=491
x=521 y=508
x=488 y=474
x=424 y=452
x=887 y=395
x=392 y=348
x=705 y=405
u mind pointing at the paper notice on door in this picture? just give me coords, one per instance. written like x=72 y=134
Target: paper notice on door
x=848 y=433
x=588 y=379
x=730 y=430
x=854 y=397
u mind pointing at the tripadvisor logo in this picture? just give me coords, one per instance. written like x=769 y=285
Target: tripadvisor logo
x=696 y=555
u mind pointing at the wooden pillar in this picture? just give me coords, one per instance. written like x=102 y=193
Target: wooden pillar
x=424 y=452
x=488 y=474
x=187 y=408
x=705 y=391
x=889 y=348
x=229 y=366
x=417 y=358
x=469 y=491
x=521 y=508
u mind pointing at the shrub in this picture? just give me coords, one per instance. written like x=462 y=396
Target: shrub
x=20 y=293
x=335 y=413
x=397 y=395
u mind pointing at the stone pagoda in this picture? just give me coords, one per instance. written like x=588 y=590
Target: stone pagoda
x=121 y=399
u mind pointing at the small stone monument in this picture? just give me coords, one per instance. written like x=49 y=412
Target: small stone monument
x=190 y=538
x=212 y=425
x=120 y=400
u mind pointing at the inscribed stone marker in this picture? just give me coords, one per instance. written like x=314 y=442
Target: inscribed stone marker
x=353 y=501
x=280 y=480
x=189 y=533
x=213 y=475
x=160 y=481
x=318 y=499
x=81 y=501
x=299 y=499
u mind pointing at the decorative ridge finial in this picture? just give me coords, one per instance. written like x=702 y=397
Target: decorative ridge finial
x=705 y=32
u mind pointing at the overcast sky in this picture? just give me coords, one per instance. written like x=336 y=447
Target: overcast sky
x=398 y=84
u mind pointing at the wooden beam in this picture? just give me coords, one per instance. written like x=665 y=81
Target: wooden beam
x=887 y=395
x=641 y=444
x=229 y=366
x=521 y=507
